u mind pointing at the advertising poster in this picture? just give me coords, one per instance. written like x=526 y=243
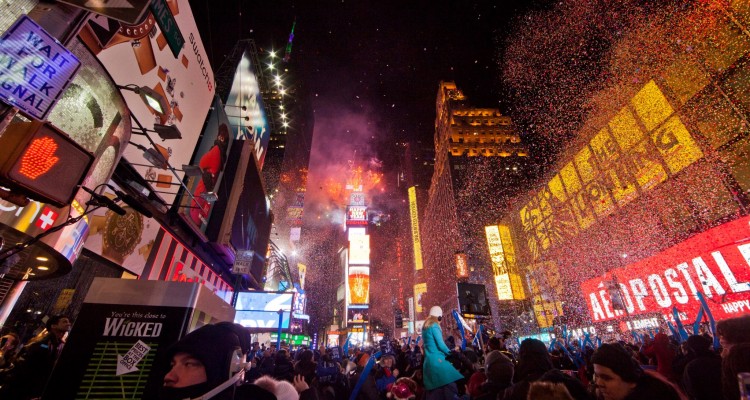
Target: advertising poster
x=626 y=158
x=357 y=315
x=244 y=106
x=419 y=291
x=359 y=285
x=116 y=351
x=140 y=55
x=210 y=157
x=126 y=240
x=359 y=249
x=414 y=215
x=261 y=309
x=462 y=267
x=715 y=263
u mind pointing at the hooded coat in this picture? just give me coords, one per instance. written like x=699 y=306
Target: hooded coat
x=437 y=370
x=661 y=350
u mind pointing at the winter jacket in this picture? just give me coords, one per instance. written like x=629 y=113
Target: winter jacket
x=33 y=369
x=664 y=354
x=437 y=370
x=701 y=378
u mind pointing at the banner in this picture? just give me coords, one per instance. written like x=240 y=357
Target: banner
x=139 y=55
x=715 y=263
x=414 y=214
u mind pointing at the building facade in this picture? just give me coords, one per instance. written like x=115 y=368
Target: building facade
x=467 y=139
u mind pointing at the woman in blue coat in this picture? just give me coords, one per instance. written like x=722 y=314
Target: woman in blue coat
x=439 y=374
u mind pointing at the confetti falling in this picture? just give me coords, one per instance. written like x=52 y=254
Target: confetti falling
x=569 y=73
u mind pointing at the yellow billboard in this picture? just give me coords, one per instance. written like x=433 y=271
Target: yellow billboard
x=419 y=290
x=503 y=258
x=634 y=152
x=414 y=214
x=546 y=311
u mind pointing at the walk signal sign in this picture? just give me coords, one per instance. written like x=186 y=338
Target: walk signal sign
x=42 y=162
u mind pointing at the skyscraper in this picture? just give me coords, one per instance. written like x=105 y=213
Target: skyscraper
x=479 y=165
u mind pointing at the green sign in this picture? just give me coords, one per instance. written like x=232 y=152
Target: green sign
x=296 y=340
x=168 y=25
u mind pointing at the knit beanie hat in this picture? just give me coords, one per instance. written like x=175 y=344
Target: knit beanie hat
x=285 y=391
x=213 y=346
x=698 y=344
x=619 y=360
x=498 y=367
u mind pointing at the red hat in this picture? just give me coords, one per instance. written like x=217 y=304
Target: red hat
x=400 y=391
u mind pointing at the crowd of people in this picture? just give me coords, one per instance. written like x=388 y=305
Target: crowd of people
x=659 y=367
x=219 y=361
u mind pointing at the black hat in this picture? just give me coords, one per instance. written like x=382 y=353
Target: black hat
x=214 y=346
x=698 y=344
x=255 y=392
x=619 y=360
x=532 y=346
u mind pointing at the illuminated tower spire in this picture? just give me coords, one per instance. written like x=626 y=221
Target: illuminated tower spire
x=288 y=51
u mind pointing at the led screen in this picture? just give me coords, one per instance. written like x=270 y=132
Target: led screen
x=261 y=309
x=715 y=263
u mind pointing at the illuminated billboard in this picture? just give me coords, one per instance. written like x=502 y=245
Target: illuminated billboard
x=358 y=282
x=715 y=263
x=244 y=106
x=261 y=309
x=503 y=258
x=357 y=315
x=633 y=153
x=356 y=215
x=419 y=291
x=138 y=55
x=359 y=249
x=414 y=214
x=210 y=157
x=462 y=265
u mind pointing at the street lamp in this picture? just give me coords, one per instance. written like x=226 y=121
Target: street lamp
x=150 y=97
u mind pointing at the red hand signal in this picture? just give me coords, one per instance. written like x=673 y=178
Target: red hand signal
x=39 y=157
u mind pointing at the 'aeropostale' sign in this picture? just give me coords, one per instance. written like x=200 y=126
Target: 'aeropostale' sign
x=34 y=68
x=715 y=263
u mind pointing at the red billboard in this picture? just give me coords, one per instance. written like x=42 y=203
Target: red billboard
x=715 y=263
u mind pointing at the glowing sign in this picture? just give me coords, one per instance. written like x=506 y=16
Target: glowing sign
x=356 y=213
x=609 y=171
x=504 y=290
x=419 y=291
x=462 y=267
x=359 y=285
x=715 y=263
x=39 y=157
x=414 y=214
x=359 y=250
x=42 y=162
x=35 y=68
x=546 y=311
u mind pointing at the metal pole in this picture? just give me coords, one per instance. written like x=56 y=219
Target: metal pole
x=278 y=342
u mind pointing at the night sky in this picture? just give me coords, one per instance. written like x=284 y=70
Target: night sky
x=372 y=69
x=383 y=58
